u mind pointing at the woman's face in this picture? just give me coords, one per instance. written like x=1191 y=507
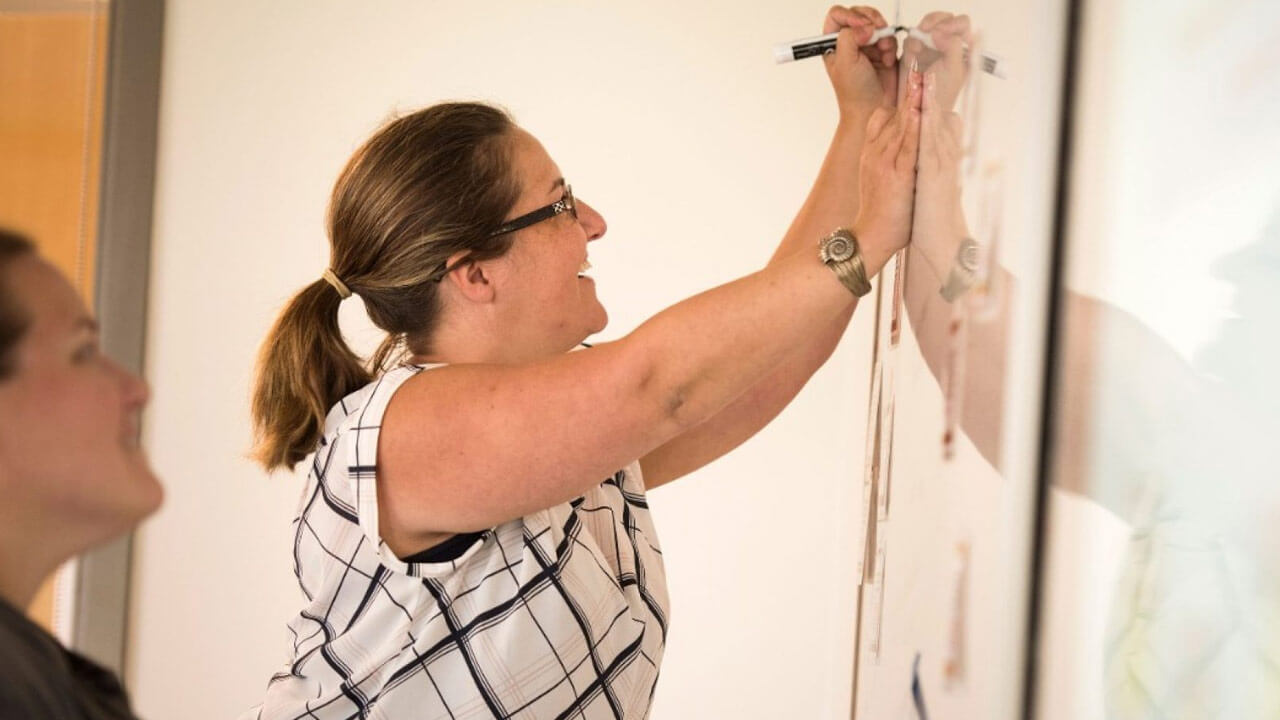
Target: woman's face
x=69 y=454
x=554 y=305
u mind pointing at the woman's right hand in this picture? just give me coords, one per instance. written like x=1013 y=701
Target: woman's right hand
x=887 y=177
x=864 y=76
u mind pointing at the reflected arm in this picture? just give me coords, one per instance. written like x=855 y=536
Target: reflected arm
x=985 y=348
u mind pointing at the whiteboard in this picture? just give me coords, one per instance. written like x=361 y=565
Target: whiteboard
x=949 y=493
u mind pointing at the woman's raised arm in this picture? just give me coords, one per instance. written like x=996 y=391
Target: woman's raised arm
x=466 y=447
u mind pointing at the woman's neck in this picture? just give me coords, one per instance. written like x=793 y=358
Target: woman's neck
x=465 y=347
x=22 y=569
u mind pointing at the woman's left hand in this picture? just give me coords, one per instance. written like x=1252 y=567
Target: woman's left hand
x=864 y=76
x=887 y=177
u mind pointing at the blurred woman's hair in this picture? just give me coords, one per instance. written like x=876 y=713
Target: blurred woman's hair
x=425 y=187
x=13 y=318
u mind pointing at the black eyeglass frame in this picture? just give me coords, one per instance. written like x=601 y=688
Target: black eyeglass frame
x=565 y=204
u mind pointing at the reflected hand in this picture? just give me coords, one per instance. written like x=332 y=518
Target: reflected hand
x=938 y=226
x=887 y=175
x=864 y=78
x=952 y=36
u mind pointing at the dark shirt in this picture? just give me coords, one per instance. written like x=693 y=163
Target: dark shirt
x=41 y=680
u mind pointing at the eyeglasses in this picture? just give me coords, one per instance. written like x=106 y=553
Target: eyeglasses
x=564 y=204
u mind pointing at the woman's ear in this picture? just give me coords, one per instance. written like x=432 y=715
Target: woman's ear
x=472 y=280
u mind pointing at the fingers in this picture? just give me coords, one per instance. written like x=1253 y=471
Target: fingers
x=910 y=148
x=910 y=67
x=877 y=122
x=888 y=129
x=929 y=99
x=927 y=24
x=847 y=53
x=839 y=17
x=871 y=14
x=854 y=27
x=932 y=20
x=864 y=21
x=889 y=86
x=929 y=102
x=940 y=130
x=930 y=152
x=909 y=125
x=884 y=53
x=951 y=33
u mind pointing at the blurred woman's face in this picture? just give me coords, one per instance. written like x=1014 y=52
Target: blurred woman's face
x=69 y=416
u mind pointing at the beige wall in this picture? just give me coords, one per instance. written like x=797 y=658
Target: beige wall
x=668 y=116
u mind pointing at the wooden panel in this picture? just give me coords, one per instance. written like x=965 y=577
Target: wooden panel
x=50 y=133
x=51 y=100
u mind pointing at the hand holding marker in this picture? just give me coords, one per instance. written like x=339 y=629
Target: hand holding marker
x=822 y=44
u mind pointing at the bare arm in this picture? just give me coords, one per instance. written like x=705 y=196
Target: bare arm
x=466 y=447
x=985 y=350
x=862 y=81
x=938 y=229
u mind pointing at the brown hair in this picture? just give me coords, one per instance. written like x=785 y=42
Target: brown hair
x=424 y=187
x=13 y=319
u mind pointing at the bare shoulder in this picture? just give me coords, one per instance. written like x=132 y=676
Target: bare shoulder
x=466 y=447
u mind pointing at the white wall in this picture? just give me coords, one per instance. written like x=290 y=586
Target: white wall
x=668 y=116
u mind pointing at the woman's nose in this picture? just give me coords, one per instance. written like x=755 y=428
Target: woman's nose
x=592 y=221
x=136 y=393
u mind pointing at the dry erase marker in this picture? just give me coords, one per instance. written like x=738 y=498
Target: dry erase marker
x=823 y=44
x=992 y=64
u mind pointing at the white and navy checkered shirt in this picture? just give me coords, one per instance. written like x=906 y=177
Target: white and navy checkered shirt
x=558 y=614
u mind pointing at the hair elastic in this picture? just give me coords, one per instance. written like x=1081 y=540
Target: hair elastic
x=344 y=292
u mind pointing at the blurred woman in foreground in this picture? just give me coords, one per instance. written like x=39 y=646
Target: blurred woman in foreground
x=71 y=474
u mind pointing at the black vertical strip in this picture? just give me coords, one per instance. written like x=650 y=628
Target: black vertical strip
x=1053 y=343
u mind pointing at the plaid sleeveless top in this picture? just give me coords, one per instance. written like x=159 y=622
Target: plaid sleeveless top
x=558 y=614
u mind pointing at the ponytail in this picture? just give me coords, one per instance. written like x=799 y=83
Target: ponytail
x=304 y=367
x=424 y=188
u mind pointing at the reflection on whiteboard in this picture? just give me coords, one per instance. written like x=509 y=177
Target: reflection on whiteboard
x=1169 y=423
x=940 y=584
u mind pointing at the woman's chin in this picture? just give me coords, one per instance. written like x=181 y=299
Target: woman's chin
x=601 y=322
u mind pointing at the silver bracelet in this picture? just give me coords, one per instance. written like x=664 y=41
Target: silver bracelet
x=839 y=251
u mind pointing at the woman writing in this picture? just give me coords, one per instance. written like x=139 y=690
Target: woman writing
x=473 y=539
